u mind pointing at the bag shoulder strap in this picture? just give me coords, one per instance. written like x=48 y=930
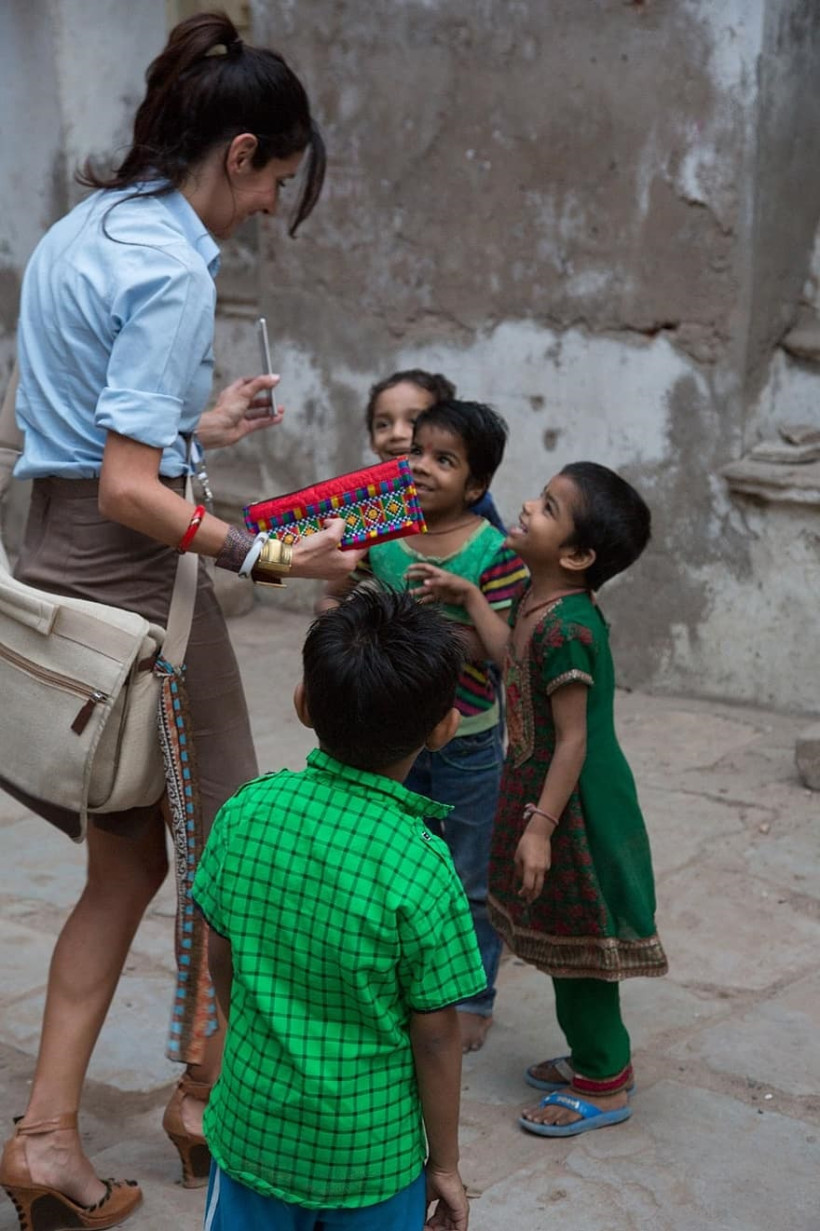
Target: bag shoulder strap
x=10 y=434
x=11 y=438
x=183 y=600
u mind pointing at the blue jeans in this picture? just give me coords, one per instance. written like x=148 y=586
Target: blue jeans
x=231 y=1206
x=467 y=774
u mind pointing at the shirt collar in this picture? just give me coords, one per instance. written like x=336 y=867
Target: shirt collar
x=193 y=228
x=408 y=801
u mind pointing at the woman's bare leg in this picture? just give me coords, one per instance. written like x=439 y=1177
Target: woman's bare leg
x=123 y=876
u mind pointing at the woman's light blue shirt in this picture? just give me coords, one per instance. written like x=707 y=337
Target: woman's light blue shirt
x=116 y=333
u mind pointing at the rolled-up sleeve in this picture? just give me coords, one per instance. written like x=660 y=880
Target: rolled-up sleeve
x=162 y=321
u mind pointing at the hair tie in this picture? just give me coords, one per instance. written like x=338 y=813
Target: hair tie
x=232 y=49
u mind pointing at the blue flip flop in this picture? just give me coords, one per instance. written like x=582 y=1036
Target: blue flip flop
x=562 y=1064
x=592 y=1117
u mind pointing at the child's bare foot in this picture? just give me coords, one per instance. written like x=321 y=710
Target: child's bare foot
x=474 y=1030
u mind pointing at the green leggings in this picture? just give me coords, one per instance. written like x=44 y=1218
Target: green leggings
x=589 y=1013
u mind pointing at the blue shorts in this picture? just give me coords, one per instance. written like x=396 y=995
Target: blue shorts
x=231 y=1205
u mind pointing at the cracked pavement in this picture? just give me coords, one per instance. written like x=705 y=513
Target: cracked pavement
x=725 y=1133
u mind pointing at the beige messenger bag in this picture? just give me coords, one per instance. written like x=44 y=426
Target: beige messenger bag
x=79 y=710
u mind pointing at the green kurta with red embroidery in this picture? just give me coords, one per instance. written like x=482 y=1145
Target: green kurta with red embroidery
x=595 y=917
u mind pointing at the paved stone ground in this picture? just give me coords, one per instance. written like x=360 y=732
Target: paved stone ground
x=726 y=1130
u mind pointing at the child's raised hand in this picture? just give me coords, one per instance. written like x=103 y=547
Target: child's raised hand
x=429 y=584
x=533 y=856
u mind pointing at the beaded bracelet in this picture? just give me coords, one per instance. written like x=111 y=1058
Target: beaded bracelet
x=193 y=525
x=530 y=810
x=234 y=549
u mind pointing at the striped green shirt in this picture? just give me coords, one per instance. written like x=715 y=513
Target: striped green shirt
x=487 y=563
x=344 y=915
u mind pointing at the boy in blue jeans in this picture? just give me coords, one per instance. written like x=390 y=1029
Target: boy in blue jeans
x=462 y=564
x=340 y=942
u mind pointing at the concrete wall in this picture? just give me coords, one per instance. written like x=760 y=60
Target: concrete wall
x=71 y=75
x=599 y=217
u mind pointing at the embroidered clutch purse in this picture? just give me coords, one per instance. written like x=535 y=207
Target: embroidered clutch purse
x=377 y=503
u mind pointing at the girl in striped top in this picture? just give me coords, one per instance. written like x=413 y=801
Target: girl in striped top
x=462 y=563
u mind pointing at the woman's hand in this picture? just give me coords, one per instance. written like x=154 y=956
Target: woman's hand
x=533 y=856
x=240 y=409
x=433 y=584
x=452 y=1211
x=319 y=556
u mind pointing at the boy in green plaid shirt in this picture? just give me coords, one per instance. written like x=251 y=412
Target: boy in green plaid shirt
x=341 y=941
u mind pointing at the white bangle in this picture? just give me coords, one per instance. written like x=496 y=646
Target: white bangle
x=253 y=555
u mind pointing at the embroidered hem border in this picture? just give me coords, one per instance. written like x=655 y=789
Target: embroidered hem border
x=589 y=1085
x=575 y=676
x=193 y=1017
x=581 y=957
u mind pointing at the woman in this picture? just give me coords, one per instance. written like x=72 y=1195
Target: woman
x=115 y=342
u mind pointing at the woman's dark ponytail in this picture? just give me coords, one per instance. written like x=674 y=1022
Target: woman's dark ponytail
x=205 y=88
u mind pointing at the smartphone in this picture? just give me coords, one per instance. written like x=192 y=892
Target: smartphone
x=264 y=354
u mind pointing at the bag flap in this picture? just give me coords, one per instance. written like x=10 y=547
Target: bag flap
x=109 y=632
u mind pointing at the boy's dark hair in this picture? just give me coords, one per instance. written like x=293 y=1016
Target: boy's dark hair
x=481 y=428
x=438 y=386
x=610 y=518
x=380 y=673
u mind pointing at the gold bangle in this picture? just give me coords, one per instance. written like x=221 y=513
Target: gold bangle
x=275 y=559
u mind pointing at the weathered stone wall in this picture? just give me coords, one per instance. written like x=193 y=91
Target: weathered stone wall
x=71 y=76
x=597 y=216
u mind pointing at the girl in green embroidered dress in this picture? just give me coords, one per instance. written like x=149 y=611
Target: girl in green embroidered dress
x=571 y=885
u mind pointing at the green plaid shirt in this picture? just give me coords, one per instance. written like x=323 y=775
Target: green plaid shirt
x=344 y=914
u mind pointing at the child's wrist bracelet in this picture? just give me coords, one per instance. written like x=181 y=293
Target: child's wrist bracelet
x=193 y=525
x=530 y=811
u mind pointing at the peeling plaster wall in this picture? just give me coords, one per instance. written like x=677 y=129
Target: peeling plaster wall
x=71 y=74
x=596 y=217
x=31 y=188
x=103 y=48
x=558 y=161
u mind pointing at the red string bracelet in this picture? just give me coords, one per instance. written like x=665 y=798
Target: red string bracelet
x=530 y=810
x=193 y=525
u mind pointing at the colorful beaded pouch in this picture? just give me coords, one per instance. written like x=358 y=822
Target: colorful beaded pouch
x=377 y=503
